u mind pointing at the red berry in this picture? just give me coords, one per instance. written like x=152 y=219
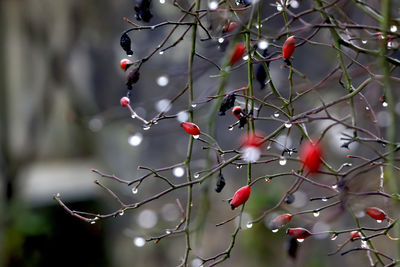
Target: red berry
x=280 y=221
x=237 y=53
x=124 y=101
x=376 y=213
x=355 y=234
x=237 y=112
x=251 y=139
x=299 y=233
x=125 y=64
x=288 y=48
x=191 y=128
x=311 y=154
x=231 y=27
x=241 y=196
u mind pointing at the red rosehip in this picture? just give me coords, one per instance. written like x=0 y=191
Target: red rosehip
x=237 y=53
x=125 y=64
x=311 y=154
x=191 y=128
x=231 y=27
x=251 y=139
x=124 y=101
x=355 y=234
x=376 y=213
x=288 y=48
x=237 y=112
x=299 y=233
x=241 y=196
x=280 y=221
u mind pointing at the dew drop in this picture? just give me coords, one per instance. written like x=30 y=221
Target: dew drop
x=276 y=115
x=238 y=166
x=135 y=140
x=279 y=7
x=378 y=221
x=139 y=241
x=163 y=80
x=146 y=127
x=249 y=225
x=393 y=28
x=196 y=175
x=213 y=5
x=167 y=232
x=384 y=104
x=334 y=186
x=324 y=199
x=178 y=171
x=364 y=41
x=161 y=52
x=121 y=213
x=246 y=57
x=288 y=125
x=268 y=147
x=275 y=230
x=334 y=236
x=268 y=180
x=282 y=161
x=300 y=240
x=196 y=136
x=92 y=222
x=194 y=105
x=162 y=2
x=316 y=214
x=152 y=27
x=364 y=244
x=230 y=128
x=133 y=116
x=221 y=40
x=294 y=4
x=129 y=55
x=366 y=108
x=135 y=190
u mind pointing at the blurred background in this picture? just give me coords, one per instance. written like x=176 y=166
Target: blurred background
x=60 y=85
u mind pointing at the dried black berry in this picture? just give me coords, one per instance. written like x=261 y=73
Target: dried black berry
x=132 y=78
x=261 y=76
x=242 y=121
x=227 y=103
x=292 y=247
x=125 y=43
x=143 y=10
x=220 y=183
x=243 y=2
x=289 y=199
x=223 y=45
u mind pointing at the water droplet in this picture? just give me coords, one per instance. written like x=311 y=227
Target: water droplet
x=194 y=105
x=282 y=161
x=316 y=214
x=364 y=41
x=196 y=175
x=378 y=221
x=249 y=225
x=276 y=115
x=288 y=125
x=92 y=222
x=163 y=80
x=294 y=4
x=178 y=171
x=238 y=166
x=268 y=180
x=133 y=116
x=161 y=52
x=275 y=230
x=262 y=44
x=167 y=232
x=139 y=241
x=136 y=139
x=393 y=28
x=324 y=199
x=129 y=55
x=182 y=116
x=135 y=190
x=384 y=104
x=146 y=127
x=162 y=2
x=221 y=40
x=268 y=147
x=300 y=240
x=334 y=186
x=213 y=5
x=364 y=244
x=196 y=136
x=152 y=27
x=246 y=57
x=334 y=236
x=230 y=128
x=367 y=108
x=279 y=7
x=121 y=213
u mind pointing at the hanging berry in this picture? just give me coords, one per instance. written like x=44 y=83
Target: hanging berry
x=143 y=10
x=240 y=197
x=310 y=155
x=376 y=213
x=289 y=199
x=299 y=233
x=191 y=128
x=230 y=27
x=354 y=235
x=125 y=43
x=220 y=183
x=125 y=64
x=227 y=103
x=237 y=112
x=132 y=78
x=261 y=76
x=280 y=221
x=288 y=48
x=124 y=101
x=292 y=247
x=237 y=53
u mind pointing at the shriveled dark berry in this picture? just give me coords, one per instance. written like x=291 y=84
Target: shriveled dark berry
x=242 y=121
x=143 y=10
x=125 y=43
x=132 y=78
x=261 y=76
x=220 y=183
x=291 y=247
x=289 y=199
x=243 y=2
x=222 y=46
x=227 y=103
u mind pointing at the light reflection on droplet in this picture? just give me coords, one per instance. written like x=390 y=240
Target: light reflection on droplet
x=282 y=161
x=161 y=52
x=196 y=262
x=300 y=240
x=121 y=213
x=324 y=199
x=139 y=241
x=246 y=57
x=275 y=230
x=136 y=139
x=146 y=127
x=249 y=225
x=384 y=104
x=162 y=2
x=196 y=175
x=334 y=236
x=288 y=125
x=379 y=221
x=178 y=171
x=135 y=190
x=92 y=222
x=262 y=44
x=294 y=4
x=162 y=80
x=230 y=128
x=316 y=214
x=194 y=105
x=393 y=28
x=364 y=41
x=213 y=5
x=221 y=40
x=196 y=136
x=167 y=232
x=276 y=115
